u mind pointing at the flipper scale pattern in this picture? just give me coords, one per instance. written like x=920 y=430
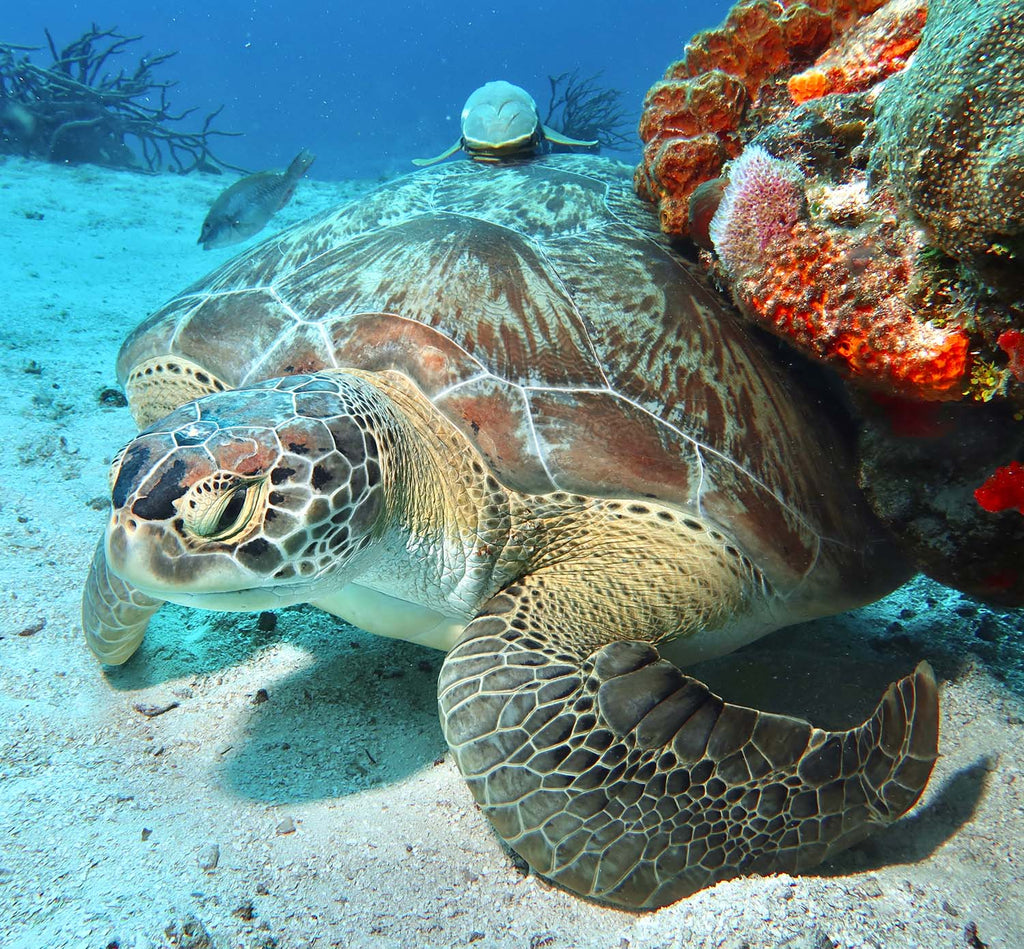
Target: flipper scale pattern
x=621 y=778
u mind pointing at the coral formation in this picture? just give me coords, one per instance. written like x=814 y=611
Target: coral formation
x=875 y=48
x=691 y=118
x=871 y=213
x=583 y=109
x=924 y=488
x=840 y=294
x=70 y=112
x=851 y=277
x=949 y=134
x=689 y=130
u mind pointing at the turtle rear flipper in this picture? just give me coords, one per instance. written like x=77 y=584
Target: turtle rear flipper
x=620 y=778
x=114 y=613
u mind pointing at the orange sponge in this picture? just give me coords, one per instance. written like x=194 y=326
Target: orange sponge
x=874 y=49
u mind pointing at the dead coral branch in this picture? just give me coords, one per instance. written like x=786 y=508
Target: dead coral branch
x=583 y=109
x=74 y=111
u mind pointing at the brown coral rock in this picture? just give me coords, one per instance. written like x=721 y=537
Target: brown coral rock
x=711 y=102
x=753 y=49
x=922 y=487
x=950 y=133
x=682 y=164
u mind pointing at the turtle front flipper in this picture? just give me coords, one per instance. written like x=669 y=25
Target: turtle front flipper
x=114 y=613
x=160 y=384
x=557 y=138
x=447 y=153
x=621 y=779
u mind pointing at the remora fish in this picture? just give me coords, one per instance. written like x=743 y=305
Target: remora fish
x=244 y=208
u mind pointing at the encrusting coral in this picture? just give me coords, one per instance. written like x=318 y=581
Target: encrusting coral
x=943 y=489
x=949 y=135
x=872 y=288
x=1011 y=342
x=878 y=46
x=840 y=294
x=75 y=111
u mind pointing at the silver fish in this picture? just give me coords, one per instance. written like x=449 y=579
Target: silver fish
x=244 y=208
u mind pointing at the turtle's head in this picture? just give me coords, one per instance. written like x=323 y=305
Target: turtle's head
x=254 y=498
x=500 y=120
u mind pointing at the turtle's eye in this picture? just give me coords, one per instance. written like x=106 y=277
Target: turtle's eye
x=223 y=507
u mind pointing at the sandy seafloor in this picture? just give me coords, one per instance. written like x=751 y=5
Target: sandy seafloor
x=110 y=819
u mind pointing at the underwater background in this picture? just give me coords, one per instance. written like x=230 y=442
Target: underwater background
x=282 y=782
x=363 y=85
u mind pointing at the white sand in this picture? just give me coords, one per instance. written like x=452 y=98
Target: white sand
x=108 y=817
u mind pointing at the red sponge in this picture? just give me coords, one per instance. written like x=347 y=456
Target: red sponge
x=1003 y=491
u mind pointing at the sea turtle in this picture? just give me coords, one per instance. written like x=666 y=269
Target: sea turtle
x=499 y=121
x=488 y=409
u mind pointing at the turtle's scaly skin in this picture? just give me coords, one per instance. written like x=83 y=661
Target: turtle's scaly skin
x=488 y=410
x=624 y=780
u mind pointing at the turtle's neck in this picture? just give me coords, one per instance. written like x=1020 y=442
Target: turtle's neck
x=445 y=520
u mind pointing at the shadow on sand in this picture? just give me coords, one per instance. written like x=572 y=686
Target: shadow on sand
x=361 y=713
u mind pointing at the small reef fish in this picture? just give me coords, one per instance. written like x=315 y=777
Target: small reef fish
x=244 y=209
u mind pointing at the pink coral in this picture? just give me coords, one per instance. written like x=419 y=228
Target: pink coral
x=760 y=206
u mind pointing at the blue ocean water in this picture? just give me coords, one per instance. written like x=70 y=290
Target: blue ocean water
x=368 y=86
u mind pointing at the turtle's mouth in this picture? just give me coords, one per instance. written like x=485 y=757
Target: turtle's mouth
x=227 y=600
x=235 y=601
x=151 y=560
